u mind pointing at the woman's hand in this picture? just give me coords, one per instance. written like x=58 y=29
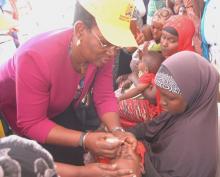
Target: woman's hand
x=127 y=137
x=126 y=85
x=121 y=78
x=97 y=144
x=129 y=158
x=92 y=170
x=105 y=170
x=140 y=38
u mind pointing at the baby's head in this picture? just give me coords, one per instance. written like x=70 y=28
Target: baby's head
x=129 y=159
x=151 y=61
x=159 y=19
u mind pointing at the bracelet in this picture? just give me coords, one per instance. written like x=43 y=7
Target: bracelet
x=117 y=129
x=83 y=140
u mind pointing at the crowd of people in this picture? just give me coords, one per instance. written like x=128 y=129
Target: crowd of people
x=151 y=69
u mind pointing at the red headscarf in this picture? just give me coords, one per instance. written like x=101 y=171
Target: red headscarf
x=185 y=29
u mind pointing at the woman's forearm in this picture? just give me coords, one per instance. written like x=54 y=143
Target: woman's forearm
x=111 y=120
x=63 y=136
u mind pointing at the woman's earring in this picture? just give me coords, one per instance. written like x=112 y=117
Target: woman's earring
x=78 y=42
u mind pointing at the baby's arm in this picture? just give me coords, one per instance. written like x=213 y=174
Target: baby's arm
x=134 y=91
x=133 y=77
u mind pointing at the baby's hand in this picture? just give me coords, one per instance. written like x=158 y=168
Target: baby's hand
x=126 y=85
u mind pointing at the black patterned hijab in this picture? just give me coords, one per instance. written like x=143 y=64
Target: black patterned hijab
x=185 y=145
x=20 y=157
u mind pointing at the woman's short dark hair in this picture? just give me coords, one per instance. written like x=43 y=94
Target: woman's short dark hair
x=83 y=15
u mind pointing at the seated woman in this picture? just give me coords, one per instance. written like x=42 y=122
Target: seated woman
x=23 y=157
x=182 y=140
x=194 y=10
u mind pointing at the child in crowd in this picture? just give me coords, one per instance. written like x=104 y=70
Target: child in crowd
x=148 y=67
x=147 y=108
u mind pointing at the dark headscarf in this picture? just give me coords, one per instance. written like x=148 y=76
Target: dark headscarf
x=185 y=145
x=20 y=157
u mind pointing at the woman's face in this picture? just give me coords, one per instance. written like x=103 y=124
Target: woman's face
x=156 y=30
x=98 y=51
x=171 y=102
x=169 y=44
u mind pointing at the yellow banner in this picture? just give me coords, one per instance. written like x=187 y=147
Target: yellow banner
x=2 y=133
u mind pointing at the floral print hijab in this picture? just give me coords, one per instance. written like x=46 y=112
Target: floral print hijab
x=20 y=157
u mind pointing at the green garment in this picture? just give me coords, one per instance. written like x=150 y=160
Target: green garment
x=154 y=5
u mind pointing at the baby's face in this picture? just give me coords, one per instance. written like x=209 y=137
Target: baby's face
x=129 y=159
x=156 y=30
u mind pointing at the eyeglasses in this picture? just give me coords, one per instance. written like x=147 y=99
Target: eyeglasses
x=104 y=46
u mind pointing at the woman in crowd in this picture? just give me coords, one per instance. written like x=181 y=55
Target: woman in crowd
x=193 y=9
x=42 y=84
x=153 y=32
x=23 y=157
x=175 y=37
x=182 y=140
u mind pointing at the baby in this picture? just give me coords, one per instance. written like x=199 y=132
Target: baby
x=141 y=103
x=148 y=67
